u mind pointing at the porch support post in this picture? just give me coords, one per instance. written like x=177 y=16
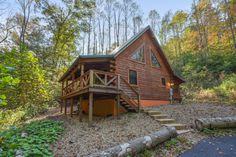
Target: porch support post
x=80 y=108
x=73 y=81
x=82 y=70
x=118 y=105
x=90 y=108
x=65 y=102
x=62 y=88
x=71 y=106
x=62 y=103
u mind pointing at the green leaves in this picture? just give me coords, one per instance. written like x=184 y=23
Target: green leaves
x=6 y=81
x=22 y=80
x=39 y=134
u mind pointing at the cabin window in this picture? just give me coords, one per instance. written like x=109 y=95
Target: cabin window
x=154 y=60
x=138 y=55
x=133 y=77
x=163 y=81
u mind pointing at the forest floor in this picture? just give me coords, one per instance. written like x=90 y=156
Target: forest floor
x=106 y=132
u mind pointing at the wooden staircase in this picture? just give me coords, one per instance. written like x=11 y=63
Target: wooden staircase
x=128 y=104
x=129 y=97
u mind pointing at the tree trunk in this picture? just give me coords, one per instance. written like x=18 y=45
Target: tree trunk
x=89 y=33
x=139 y=144
x=226 y=122
x=103 y=36
x=231 y=24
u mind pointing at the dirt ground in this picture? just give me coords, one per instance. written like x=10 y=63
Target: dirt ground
x=79 y=139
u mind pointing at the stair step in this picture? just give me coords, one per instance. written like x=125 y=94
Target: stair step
x=160 y=116
x=177 y=126
x=179 y=132
x=152 y=112
x=165 y=121
x=146 y=109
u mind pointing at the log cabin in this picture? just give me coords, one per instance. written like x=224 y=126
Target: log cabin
x=135 y=75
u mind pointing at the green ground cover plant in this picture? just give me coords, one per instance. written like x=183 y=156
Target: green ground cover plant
x=31 y=139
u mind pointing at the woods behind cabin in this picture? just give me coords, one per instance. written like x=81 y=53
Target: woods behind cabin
x=40 y=39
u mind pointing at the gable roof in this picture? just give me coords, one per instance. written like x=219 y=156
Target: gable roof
x=117 y=51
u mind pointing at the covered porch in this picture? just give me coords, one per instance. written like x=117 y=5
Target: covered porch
x=91 y=81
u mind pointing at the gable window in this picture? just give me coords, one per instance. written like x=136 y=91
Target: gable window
x=138 y=55
x=133 y=77
x=154 y=60
x=163 y=81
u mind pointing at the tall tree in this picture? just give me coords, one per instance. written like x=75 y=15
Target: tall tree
x=177 y=25
x=108 y=8
x=154 y=19
x=230 y=13
x=126 y=5
x=26 y=8
x=117 y=21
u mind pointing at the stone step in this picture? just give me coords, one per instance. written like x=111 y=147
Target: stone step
x=160 y=116
x=177 y=126
x=145 y=109
x=179 y=132
x=165 y=121
x=153 y=112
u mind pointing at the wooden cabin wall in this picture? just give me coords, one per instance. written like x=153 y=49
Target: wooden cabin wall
x=149 y=78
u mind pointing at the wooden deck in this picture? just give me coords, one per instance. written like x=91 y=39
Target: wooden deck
x=93 y=81
x=102 y=83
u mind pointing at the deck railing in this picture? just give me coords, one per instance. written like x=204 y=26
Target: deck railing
x=93 y=78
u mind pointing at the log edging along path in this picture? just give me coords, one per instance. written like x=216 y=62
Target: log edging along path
x=210 y=123
x=139 y=144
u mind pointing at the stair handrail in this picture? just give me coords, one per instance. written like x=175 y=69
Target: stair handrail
x=135 y=91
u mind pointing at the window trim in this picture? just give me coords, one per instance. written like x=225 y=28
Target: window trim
x=162 y=83
x=151 y=52
x=130 y=56
x=136 y=77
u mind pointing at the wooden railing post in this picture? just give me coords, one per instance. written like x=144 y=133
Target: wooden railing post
x=81 y=74
x=91 y=78
x=118 y=82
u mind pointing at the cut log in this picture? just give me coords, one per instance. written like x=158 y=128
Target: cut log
x=138 y=145
x=226 y=122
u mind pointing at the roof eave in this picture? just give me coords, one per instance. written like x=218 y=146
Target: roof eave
x=76 y=62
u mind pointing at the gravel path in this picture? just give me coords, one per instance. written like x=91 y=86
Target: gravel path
x=106 y=132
